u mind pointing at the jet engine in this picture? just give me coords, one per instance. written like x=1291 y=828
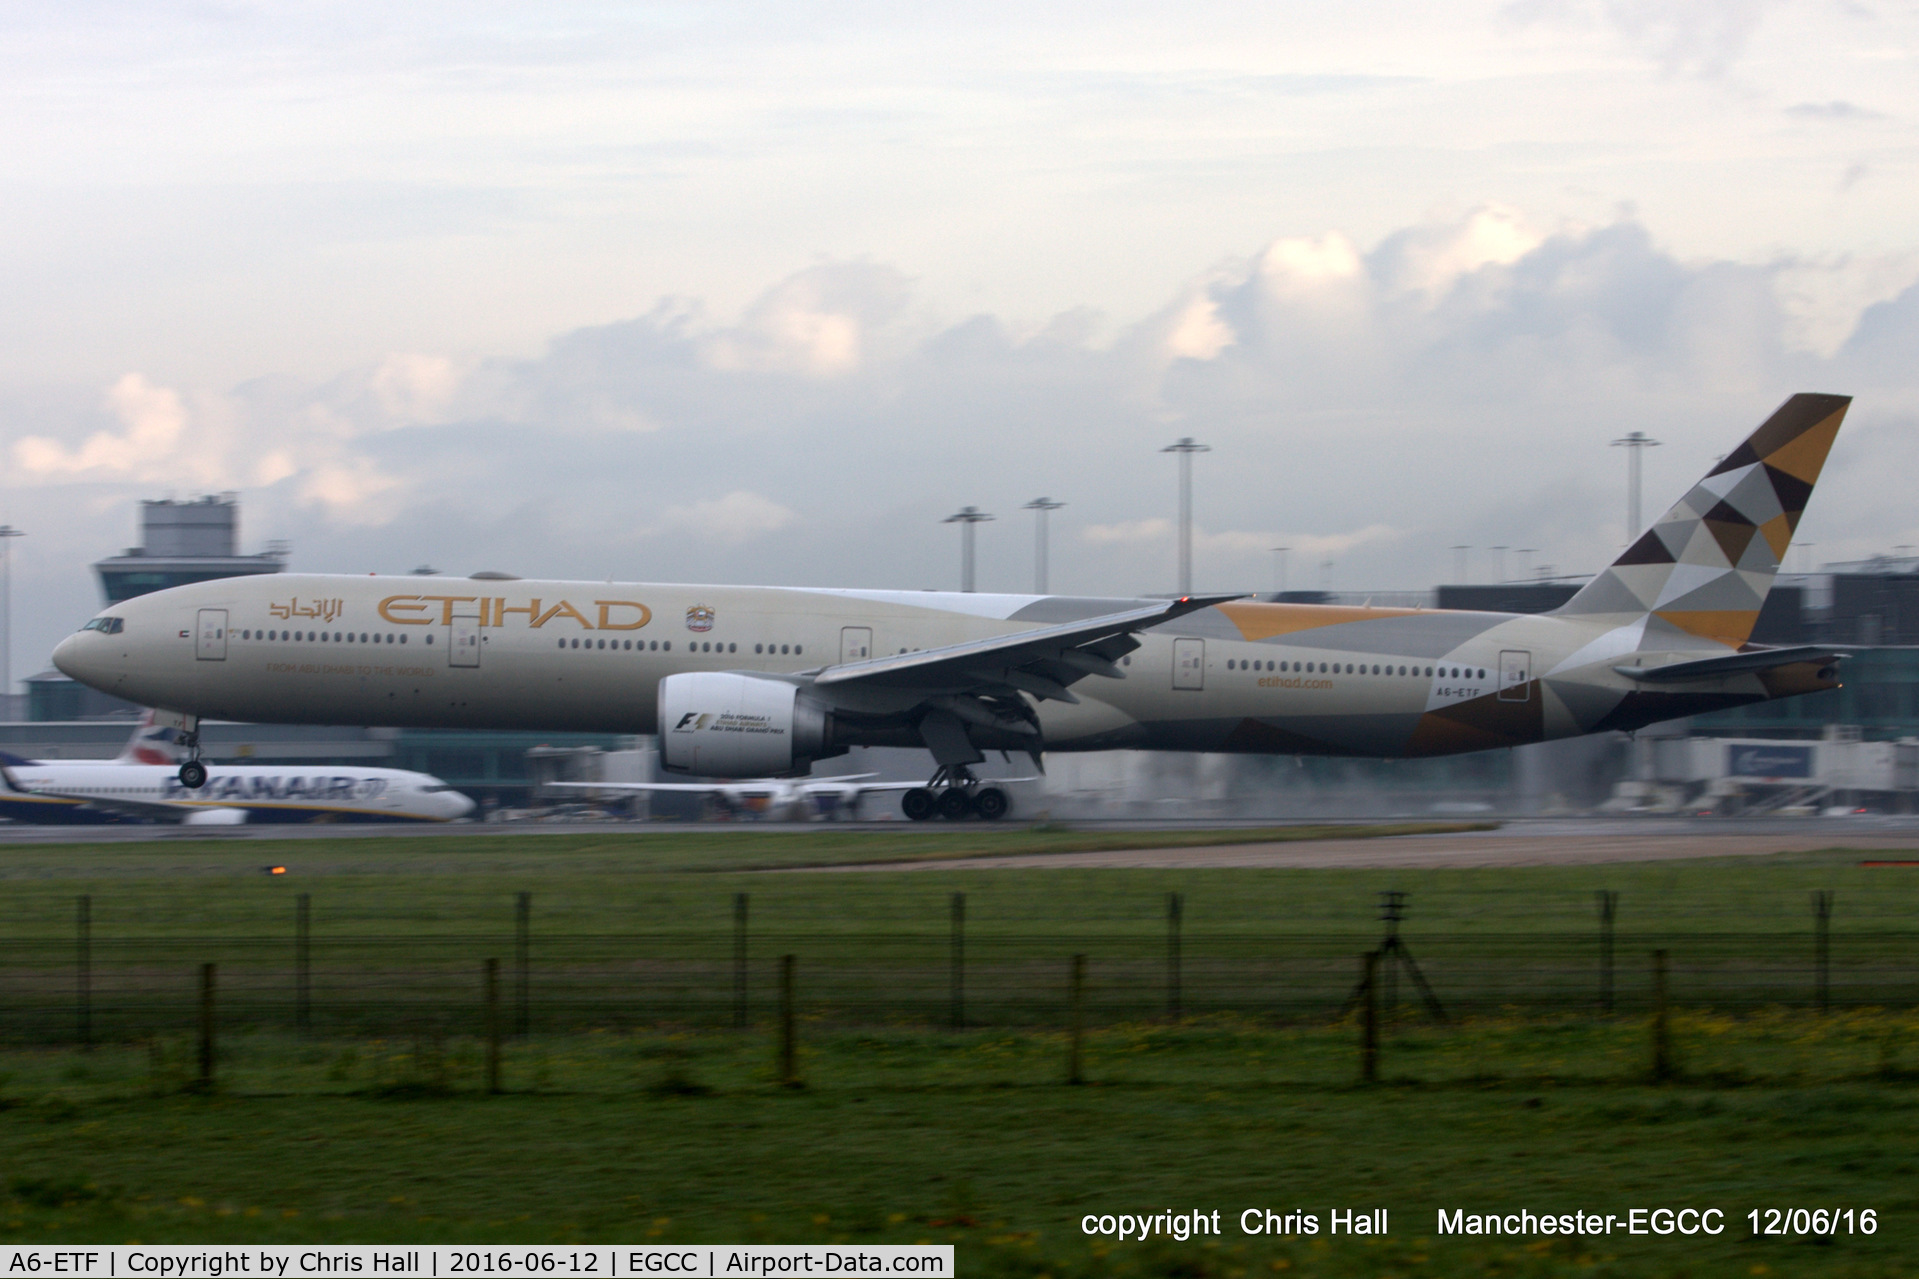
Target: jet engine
x=720 y=724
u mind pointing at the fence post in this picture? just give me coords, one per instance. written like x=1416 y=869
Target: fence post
x=739 y=961
x=1608 y=908
x=789 y=1054
x=1369 y=1016
x=206 y=1025
x=1077 y=1023
x=1174 y=910
x=1822 y=949
x=959 y=961
x=83 y=970
x=523 y=964
x=303 y=961
x=491 y=994
x=1661 y=1031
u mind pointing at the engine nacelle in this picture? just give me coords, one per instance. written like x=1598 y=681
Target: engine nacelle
x=719 y=724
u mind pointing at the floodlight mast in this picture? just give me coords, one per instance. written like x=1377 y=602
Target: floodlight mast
x=1635 y=444
x=7 y=533
x=1185 y=447
x=1041 y=508
x=966 y=517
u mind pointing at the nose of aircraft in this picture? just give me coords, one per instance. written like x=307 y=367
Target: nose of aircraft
x=457 y=805
x=71 y=656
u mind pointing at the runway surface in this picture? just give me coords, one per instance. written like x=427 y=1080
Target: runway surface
x=1519 y=843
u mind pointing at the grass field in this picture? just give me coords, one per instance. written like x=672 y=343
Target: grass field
x=904 y=1132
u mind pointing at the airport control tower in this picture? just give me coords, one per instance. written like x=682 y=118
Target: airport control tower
x=191 y=541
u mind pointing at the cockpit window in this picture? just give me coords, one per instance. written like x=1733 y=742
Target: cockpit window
x=106 y=625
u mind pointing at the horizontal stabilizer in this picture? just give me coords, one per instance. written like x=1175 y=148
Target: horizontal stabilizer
x=1765 y=659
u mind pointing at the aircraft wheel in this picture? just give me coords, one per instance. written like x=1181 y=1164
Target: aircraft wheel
x=917 y=803
x=990 y=804
x=193 y=774
x=955 y=804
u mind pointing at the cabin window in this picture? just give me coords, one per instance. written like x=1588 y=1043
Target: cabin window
x=732 y=648
x=429 y=639
x=562 y=643
x=757 y=647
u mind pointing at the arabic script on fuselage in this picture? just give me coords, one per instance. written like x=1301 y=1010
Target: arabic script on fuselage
x=319 y=610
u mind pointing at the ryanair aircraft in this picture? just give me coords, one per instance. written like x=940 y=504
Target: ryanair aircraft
x=143 y=785
x=762 y=681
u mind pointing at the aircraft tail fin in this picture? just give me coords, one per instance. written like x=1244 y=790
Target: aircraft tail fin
x=1702 y=571
x=152 y=744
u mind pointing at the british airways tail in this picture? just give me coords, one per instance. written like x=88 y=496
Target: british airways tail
x=152 y=744
x=1702 y=571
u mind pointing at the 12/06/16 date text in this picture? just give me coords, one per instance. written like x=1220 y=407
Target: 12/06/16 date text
x=1814 y=1222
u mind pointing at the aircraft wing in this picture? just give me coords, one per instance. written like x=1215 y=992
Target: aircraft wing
x=1041 y=662
x=1748 y=663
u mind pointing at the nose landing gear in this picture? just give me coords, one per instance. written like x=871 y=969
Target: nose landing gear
x=954 y=794
x=193 y=774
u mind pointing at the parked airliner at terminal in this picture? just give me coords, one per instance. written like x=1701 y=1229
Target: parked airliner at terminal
x=762 y=681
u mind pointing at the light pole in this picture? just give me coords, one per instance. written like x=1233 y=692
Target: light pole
x=1459 y=564
x=1040 y=506
x=1525 y=565
x=966 y=517
x=1635 y=444
x=1279 y=555
x=1186 y=448
x=7 y=533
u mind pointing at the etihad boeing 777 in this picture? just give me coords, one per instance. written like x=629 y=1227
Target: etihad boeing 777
x=759 y=681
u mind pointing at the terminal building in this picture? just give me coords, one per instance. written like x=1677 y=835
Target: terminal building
x=181 y=543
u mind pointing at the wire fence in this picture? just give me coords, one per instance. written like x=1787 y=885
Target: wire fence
x=87 y=988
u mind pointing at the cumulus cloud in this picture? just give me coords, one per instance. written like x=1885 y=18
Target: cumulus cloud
x=152 y=423
x=818 y=323
x=736 y=518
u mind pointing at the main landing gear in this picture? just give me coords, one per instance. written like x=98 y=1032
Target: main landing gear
x=954 y=794
x=193 y=774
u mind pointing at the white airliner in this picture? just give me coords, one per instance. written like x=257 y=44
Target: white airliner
x=143 y=784
x=761 y=681
x=798 y=799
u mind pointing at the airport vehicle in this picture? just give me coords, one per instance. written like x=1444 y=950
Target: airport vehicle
x=762 y=681
x=143 y=785
x=798 y=799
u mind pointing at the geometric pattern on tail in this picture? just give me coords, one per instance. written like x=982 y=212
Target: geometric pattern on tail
x=1703 y=569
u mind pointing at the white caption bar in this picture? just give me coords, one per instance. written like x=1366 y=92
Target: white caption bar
x=601 y=1261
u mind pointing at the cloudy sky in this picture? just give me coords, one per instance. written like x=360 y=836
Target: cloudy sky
x=755 y=292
